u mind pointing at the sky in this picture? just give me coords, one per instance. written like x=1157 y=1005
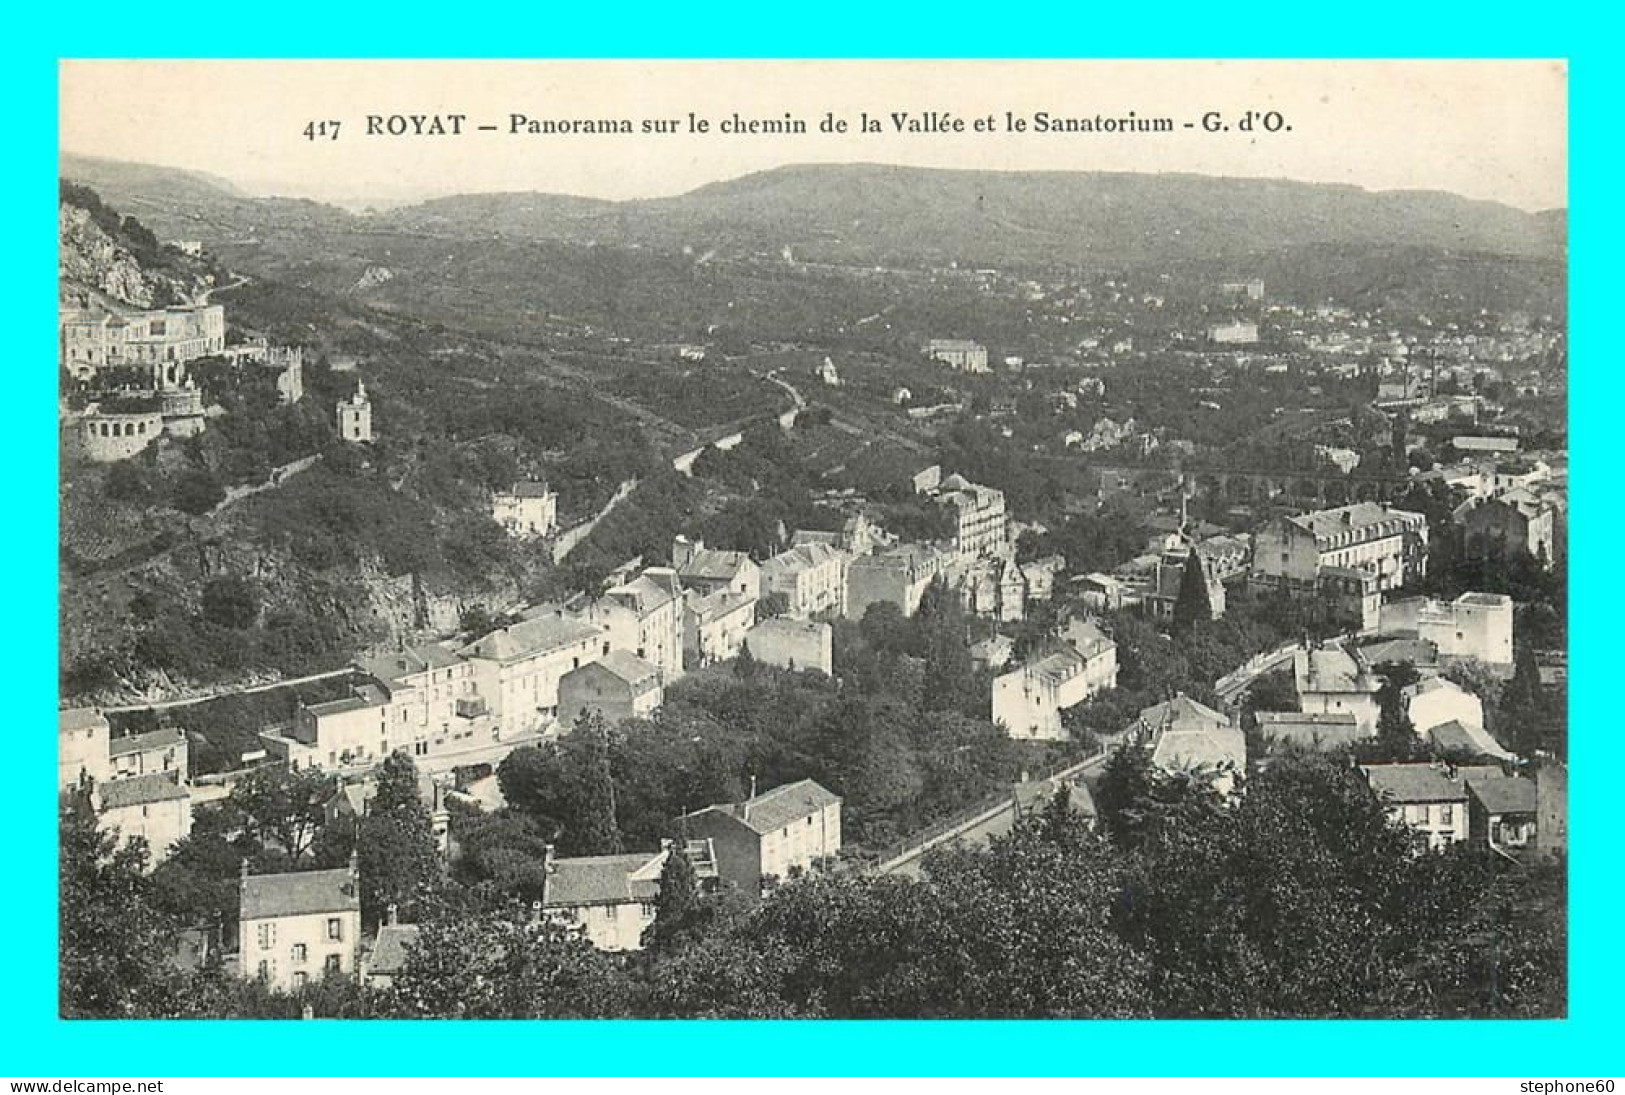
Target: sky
x=1492 y=130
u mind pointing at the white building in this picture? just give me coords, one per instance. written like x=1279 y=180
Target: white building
x=959 y=353
x=1330 y=679
x=1438 y=700
x=1474 y=625
x=355 y=416
x=645 y=617
x=610 y=899
x=714 y=625
x=529 y=509
x=810 y=577
x=517 y=668
x=295 y=929
x=981 y=524
x=1028 y=701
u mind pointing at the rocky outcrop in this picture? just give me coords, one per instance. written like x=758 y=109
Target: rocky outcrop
x=92 y=259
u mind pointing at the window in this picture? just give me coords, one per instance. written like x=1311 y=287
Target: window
x=267 y=934
x=1446 y=814
x=300 y=952
x=264 y=970
x=335 y=928
x=333 y=964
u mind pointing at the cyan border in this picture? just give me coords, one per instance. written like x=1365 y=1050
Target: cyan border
x=35 y=1042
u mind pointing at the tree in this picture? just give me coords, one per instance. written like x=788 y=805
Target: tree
x=1396 y=734
x=1526 y=721
x=1194 y=605
x=504 y=965
x=949 y=675
x=676 y=902
x=282 y=807
x=113 y=941
x=596 y=831
x=745 y=664
x=395 y=844
x=1124 y=796
x=1481 y=679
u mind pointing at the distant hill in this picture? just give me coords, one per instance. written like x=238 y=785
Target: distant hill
x=179 y=204
x=868 y=213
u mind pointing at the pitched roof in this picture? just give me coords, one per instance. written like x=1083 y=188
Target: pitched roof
x=1428 y=685
x=799 y=558
x=528 y=638
x=1189 y=750
x=719 y=603
x=140 y=743
x=602 y=880
x=645 y=593
x=1401 y=652
x=395 y=666
x=1182 y=713
x=299 y=893
x=389 y=951
x=714 y=566
x=1456 y=736
x=1056 y=666
x=774 y=809
x=528 y=490
x=1403 y=783
x=80 y=718
x=1318 y=730
x=1504 y=795
x=117 y=794
x=1328 y=524
x=630 y=668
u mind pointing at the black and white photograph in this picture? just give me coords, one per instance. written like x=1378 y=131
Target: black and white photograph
x=813 y=539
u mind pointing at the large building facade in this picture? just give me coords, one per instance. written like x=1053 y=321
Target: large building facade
x=159 y=342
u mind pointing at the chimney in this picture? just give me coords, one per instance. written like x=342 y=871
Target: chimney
x=242 y=874
x=392 y=914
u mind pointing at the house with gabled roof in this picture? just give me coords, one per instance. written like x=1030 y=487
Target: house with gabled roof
x=611 y=899
x=1435 y=701
x=771 y=837
x=1330 y=678
x=1502 y=813
x=161 y=751
x=155 y=807
x=1462 y=740
x=528 y=509
x=706 y=570
x=1431 y=799
x=296 y=928
x=390 y=951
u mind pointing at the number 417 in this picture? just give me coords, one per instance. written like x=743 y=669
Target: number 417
x=317 y=130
